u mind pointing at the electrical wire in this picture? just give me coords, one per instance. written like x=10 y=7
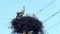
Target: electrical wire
x=45 y=7
x=53 y=26
x=51 y=16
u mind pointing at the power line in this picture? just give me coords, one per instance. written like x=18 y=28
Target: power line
x=45 y=6
x=52 y=16
x=53 y=26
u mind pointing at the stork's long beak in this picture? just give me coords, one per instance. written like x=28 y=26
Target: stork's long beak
x=20 y=14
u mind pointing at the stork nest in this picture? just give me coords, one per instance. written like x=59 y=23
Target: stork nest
x=26 y=23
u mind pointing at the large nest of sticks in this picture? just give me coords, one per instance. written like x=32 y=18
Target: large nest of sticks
x=27 y=23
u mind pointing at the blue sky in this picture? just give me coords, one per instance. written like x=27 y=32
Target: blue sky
x=9 y=8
